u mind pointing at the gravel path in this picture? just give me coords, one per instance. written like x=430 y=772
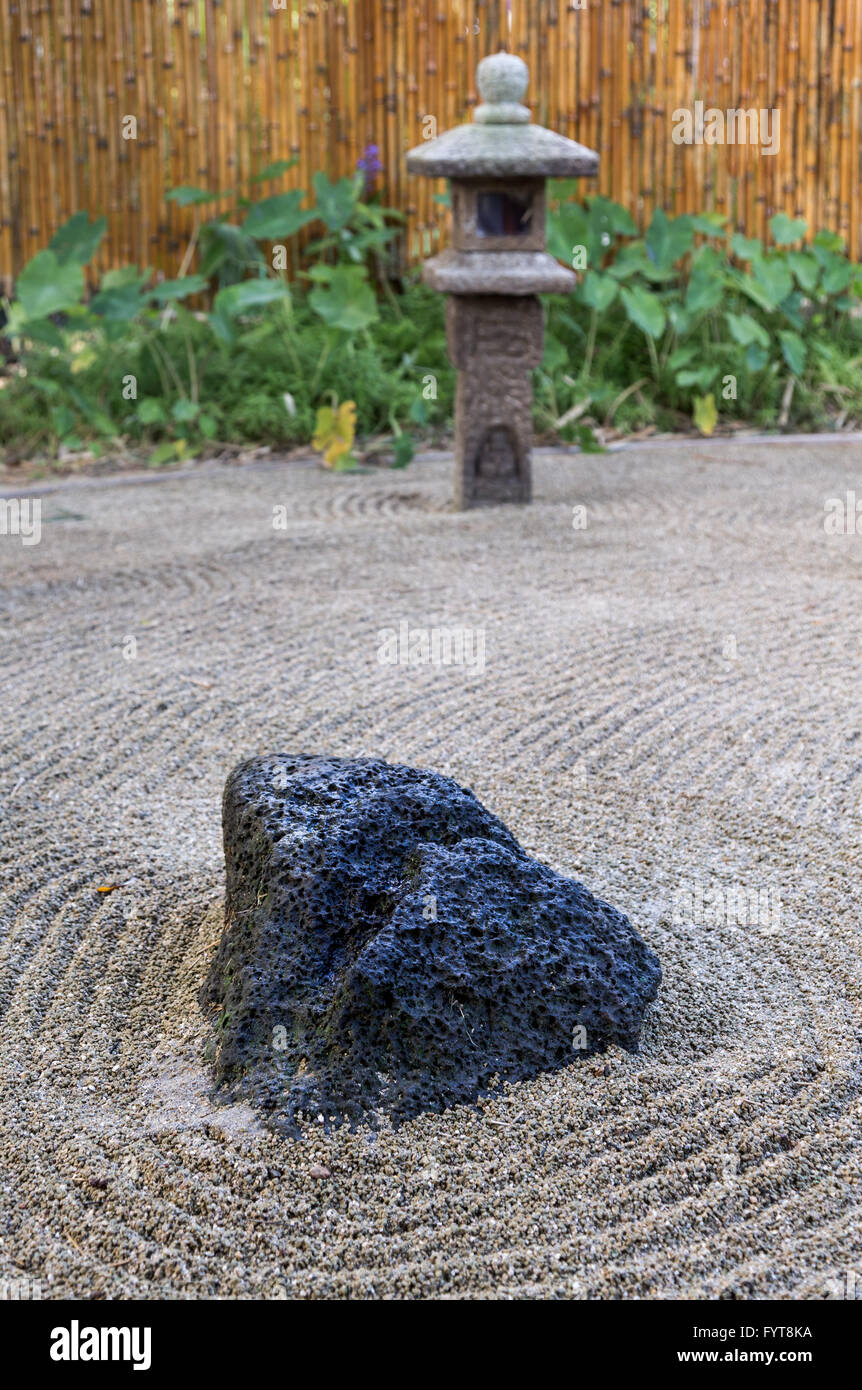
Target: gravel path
x=669 y=706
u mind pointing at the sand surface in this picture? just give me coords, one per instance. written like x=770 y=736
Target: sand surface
x=670 y=702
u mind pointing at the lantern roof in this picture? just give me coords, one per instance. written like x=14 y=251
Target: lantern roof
x=502 y=142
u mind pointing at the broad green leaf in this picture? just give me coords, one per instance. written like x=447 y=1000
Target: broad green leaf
x=669 y=239
x=184 y=410
x=700 y=377
x=227 y=247
x=772 y=274
x=837 y=274
x=680 y=319
x=178 y=289
x=828 y=243
x=150 y=411
x=610 y=218
x=124 y=276
x=644 y=309
x=275 y=171
x=555 y=356
x=805 y=268
x=598 y=291
x=35 y=330
x=190 y=197
x=249 y=294
x=121 y=298
x=708 y=223
x=746 y=248
x=403 y=451
x=756 y=358
x=320 y=273
x=752 y=289
x=347 y=302
x=280 y=216
x=785 y=230
x=705 y=414
x=222 y=328
x=744 y=329
x=569 y=227
x=709 y=260
x=631 y=259
x=78 y=239
x=208 y=426
x=334 y=202
x=705 y=291
x=682 y=356
x=793 y=351
x=47 y=286
x=793 y=309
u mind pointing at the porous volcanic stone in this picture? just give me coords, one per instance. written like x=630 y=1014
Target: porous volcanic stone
x=388 y=946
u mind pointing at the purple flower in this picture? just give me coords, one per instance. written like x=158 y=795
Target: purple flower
x=369 y=165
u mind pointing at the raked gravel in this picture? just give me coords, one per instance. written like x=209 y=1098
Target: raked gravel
x=670 y=700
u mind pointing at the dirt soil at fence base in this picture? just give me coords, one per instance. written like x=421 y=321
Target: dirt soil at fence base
x=669 y=706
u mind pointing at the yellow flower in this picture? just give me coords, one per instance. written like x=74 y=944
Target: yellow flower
x=334 y=431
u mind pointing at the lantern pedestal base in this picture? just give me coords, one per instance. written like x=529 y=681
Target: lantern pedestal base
x=494 y=341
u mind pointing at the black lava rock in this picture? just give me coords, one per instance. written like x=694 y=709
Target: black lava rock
x=388 y=946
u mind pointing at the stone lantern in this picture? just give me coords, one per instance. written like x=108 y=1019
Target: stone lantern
x=494 y=271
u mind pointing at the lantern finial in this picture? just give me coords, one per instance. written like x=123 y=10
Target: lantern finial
x=502 y=80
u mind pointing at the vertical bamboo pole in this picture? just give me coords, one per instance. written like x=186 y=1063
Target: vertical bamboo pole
x=151 y=155
x=782 y=39
x=625 y=17
x=639 y=129
x=789 y=113
x=606 y=109
x=587 y=92
x=8 y=198
x=658 y=116
x=110 y=139
x=569 y=104
x=389 y=98
x=429 y=217
x=27 y=136
x=817 y=130
x=750 y=221
x=271 y=107
x=50 y=60
x=680 y=97
x=855 y=172
x=841 y=98
x=411 y=125
x=400 y=102
x=128 y=81
x=722 y=169
x=780 y=43
x=98 y=102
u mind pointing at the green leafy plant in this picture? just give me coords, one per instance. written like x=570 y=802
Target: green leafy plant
x=686 y=318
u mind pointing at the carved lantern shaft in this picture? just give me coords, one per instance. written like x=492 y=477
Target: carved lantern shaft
x=494 y=271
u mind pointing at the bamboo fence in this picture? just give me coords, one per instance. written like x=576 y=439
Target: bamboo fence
x=219 y=89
